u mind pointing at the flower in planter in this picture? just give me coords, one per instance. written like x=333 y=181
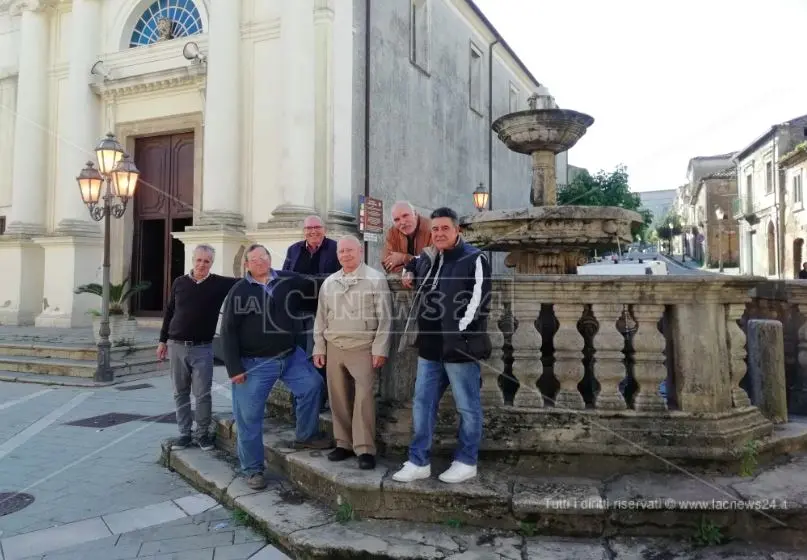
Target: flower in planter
x=119 y=295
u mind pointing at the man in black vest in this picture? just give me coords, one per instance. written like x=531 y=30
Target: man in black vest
x=452 y=304
x=186 y=337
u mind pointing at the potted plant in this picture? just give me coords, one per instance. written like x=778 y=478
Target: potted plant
x=122 y=327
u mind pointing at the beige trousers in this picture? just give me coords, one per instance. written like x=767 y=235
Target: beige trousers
x=351 y=379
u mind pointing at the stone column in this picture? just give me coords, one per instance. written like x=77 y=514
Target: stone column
x=82 y=130
x=527 y=366
x=21 y=260
x=297 y=37
x=569 y=345
x=649 y=369
x=73 y=255
x=609 y=360
x=312 y=33
x=29 y=172
x=544 y=182
x=223 y=157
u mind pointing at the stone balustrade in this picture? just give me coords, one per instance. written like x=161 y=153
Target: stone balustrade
x=602 y=365
x=647 y=367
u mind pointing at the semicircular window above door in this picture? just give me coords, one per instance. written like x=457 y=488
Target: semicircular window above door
x=164 y=20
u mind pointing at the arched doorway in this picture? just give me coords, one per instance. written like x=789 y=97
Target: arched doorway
x=798 y=256
x=771 y=250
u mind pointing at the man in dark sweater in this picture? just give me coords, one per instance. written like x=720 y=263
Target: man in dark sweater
x=259 y=329
x=186 y=337
x=314 y=257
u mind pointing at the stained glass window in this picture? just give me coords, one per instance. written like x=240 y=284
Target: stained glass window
x=166 y=19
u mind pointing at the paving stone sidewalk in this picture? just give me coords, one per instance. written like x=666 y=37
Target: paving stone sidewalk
x=89 y=458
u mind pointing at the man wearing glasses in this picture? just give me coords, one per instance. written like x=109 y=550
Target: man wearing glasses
x=258 y=334
x=315 y=258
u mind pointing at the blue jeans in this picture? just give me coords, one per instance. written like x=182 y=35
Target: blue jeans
x=432 y=380
x=249 y=402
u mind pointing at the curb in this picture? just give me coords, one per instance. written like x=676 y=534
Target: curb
x=307 y=530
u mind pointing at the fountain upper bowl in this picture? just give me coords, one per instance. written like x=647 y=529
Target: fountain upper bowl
x=537 y=130
x=564 y=228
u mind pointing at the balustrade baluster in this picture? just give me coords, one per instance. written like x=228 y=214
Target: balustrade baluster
x=494 y=366
x=609 y=360
x=649 y=369
x=527 y=366
x=569 y=345
x=737 y=366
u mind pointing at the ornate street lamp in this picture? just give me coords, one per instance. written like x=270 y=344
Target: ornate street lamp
x=481 y=197
x=119 y=173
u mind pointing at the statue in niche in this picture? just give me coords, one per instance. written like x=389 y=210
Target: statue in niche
x=164 y=27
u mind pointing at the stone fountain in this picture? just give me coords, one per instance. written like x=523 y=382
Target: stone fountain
x=547 y=238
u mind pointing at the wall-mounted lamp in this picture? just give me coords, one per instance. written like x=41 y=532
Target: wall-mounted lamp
x=481 y=197
x=99 y=69
x=191 y=52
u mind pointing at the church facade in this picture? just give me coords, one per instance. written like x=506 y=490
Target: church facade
x=243 y=117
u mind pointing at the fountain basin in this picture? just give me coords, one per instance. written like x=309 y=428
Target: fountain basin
x=549 y=239
x=542 y=130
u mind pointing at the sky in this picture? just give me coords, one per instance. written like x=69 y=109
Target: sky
x=664 y=81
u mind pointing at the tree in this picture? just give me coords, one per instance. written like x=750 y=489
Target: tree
x=606 y=189
x=663 y=229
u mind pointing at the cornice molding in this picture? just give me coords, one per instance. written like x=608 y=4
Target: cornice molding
x=175 y=78
x=16 y=7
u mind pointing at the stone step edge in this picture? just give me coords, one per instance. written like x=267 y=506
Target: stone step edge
x=88 y=347
x=307 y=529
x=66 y=362
x=73 y=381
x=595 y=517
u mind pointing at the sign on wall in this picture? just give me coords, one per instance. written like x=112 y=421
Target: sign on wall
x=371 y=218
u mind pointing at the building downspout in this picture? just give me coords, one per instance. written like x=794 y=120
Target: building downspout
x=777 y=206
x=366 y=102
x=490 y=123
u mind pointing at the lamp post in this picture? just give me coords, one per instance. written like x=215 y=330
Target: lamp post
x=117 y=171
x=720 y=215
x=481 y=197
x=669 y=249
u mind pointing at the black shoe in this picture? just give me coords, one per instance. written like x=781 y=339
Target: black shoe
x=183 y=442
x=206 y=442
x=340 y=454
x=366 y=462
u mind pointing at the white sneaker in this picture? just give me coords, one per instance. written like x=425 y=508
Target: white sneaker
x=411 y=472
x=458 y=472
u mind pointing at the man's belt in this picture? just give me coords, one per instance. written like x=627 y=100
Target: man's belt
x=190 y=342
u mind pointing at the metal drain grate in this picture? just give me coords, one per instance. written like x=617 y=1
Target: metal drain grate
x=106 y=420
x=135 y=387
x=11 y=502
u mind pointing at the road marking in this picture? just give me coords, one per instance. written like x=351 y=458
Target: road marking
x=41 y=424
x=9 y=404
x=222 y=390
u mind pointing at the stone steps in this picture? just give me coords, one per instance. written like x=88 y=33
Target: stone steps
x=84 y=368
x=771 y=506
x=306 y=528
x=74 y=351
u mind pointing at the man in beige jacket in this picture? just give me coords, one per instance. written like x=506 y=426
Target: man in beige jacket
x=351 y=339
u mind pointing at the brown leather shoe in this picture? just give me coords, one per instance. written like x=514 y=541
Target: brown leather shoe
x=256 y=481
x=316 y=442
